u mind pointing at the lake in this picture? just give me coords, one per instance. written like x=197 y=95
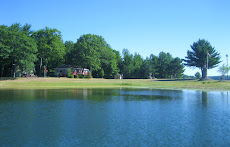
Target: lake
x=114 y=117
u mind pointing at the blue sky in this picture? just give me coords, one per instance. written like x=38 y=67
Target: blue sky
x=142 y=26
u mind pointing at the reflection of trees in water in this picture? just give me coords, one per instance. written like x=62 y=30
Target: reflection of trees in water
x=85 y=93
x=145 y=97
x=204 y=98
x=222 y=96
x=225 y=97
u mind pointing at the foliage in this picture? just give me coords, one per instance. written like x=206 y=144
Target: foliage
x=197 y=57
x=50 y=47
x=69 y=73
x=119 y=61
x=176 y=68
x=197 y=75
x=71 y=76
x=17 y=47
x=69 y=47
x=127 y=64
x=188 y=77
x=5 y=47
x=24 y=49
x=163 y=66
x=76 y=76
x=163 y=62
x=152 y=64
x=137 y=66
x=85 y=52
x=81 y=76
x=145 y=72
x=92 y=51
x=89 y=75
x=223 y=70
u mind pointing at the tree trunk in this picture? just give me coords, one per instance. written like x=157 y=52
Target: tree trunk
x=13 y=66
x=2 y=70
x=204 y=73
x=91 y=69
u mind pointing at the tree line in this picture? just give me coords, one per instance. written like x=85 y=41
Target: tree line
x=26 y=51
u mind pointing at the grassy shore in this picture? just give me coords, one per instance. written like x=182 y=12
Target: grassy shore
x=59 y=83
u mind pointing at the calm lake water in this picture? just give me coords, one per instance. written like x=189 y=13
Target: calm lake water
x=114 y=117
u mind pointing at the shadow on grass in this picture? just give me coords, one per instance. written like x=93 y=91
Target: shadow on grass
x=7 y=78
x=175 y=79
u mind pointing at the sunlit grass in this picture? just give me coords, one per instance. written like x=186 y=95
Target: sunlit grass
x=60 y=83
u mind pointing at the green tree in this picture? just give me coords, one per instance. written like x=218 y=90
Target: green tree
x=145 y=70
x=119 y=61
x=86 y=52
x=92 y=51
x=197 y=57
x=4 y=47
x=223 y=70
x=18 y=48
x=134 y=66
x=127 y=63
x=176 y=68
x=108 y=62
x=152 y=63
x=69 y=46
x=197 y=75
x=51 y=49
x=164 y=60
x=137 y=66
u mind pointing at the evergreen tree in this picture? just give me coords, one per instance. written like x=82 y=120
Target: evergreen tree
x=197 y=57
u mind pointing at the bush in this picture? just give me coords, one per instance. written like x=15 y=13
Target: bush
x=81 y=76
x=71 y=76
x=69 y=73
x=76 y=76
x=89 y=76
x=198 y=76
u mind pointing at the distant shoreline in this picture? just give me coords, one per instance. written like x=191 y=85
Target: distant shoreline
x=70 y=83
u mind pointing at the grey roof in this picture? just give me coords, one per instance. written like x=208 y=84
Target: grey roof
x=64 y=66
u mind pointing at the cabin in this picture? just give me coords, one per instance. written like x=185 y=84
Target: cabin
x=62 y=70
x=77 y=70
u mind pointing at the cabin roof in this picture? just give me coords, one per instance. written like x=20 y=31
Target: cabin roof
x=64 y=66
x=69 y=66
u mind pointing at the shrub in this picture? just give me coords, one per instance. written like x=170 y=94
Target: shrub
x=76 y=76
x=81 y=76
x=198 y=76
x=69 y=73
x=89 y=75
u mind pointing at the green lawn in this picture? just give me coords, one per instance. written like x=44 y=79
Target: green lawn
x=56 y=83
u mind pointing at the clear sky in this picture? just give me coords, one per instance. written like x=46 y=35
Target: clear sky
x=142 y=26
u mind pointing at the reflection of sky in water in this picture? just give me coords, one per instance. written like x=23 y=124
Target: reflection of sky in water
x=105 y=117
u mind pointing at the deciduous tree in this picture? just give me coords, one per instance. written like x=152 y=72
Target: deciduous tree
x=50 y=47
x=69 y=47
x=18 y=48
x=92 y=51
x=223 y=70
x=197 y=75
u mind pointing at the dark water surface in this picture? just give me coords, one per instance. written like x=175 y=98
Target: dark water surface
x=114 y=117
